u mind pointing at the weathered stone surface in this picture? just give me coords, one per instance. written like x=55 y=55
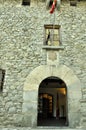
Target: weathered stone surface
x=21 y=40
x=29 y=128
x=72 y=82
x=52 y=57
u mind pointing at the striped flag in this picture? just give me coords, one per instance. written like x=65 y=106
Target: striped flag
x=53 y=6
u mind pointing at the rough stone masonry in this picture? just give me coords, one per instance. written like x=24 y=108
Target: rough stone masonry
x=21 y=41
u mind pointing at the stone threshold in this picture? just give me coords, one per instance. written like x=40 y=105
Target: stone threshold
x=83 y=100
x=39 y=128
x=55 y=128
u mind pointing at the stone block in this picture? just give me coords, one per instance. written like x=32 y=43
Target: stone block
x=52 y=58
x=29 y=107
x=27 y=120
x=12 y=110
x=18 y=120
x=30 y=96
x=73 y=3
x=74 y=119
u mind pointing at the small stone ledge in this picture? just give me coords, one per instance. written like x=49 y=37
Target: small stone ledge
x=83 y=100
x=53 y=47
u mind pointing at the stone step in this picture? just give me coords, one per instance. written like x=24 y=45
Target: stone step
x=39 y=128
x=56 y=128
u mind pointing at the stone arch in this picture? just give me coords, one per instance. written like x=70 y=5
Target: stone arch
x=30 y=93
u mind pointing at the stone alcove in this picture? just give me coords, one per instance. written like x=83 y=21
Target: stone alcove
x=30 y=93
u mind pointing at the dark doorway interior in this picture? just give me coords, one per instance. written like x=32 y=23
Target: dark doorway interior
x=52 y=103
x=45 y=108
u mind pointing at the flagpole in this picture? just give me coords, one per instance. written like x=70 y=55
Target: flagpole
x=53 y=27
x=52 y=11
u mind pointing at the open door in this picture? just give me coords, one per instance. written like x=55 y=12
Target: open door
x=52 y=103
x=45 y=107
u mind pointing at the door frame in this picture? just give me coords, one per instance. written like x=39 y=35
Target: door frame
x=30 y=93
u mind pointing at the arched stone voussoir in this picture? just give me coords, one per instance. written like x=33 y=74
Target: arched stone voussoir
x=72 y=81
x=37 y=75
x=42 y=72
x=60 y=71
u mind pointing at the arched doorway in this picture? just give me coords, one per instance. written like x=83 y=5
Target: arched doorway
x=31 y=90
x=52 y=102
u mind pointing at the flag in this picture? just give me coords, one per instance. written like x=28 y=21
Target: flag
x=53 y=6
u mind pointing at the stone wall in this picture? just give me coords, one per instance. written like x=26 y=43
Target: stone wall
x=21 y=41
